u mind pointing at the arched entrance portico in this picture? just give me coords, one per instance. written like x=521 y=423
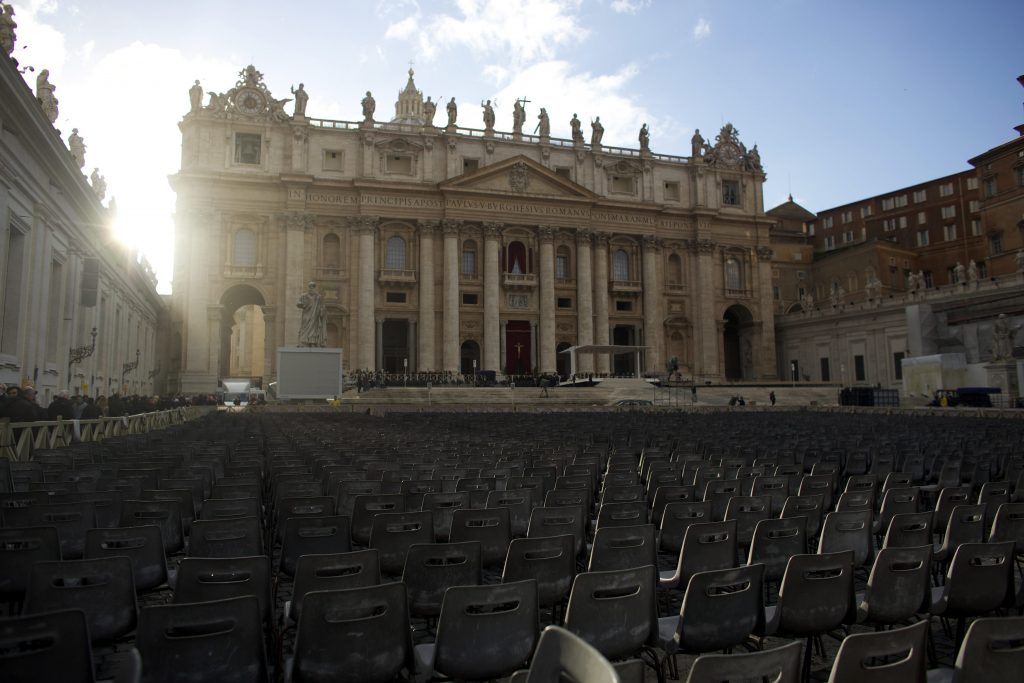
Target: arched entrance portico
x=737 y=343
x=242 y=334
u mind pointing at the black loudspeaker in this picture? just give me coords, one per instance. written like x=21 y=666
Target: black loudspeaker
x=90 y=281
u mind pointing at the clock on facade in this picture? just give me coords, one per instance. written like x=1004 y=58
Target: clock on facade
x=250 y=101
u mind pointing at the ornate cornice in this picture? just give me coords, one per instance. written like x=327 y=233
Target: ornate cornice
x=492 y=230
x=765 y=253
x=601 y=238
x=651 y=242
x=451 y=226
x=545 y=233
x=427 y=226
x=584 y=237
x=365 y=224
x=705 y=246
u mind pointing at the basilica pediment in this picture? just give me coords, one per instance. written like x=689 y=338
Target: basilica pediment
x=518 y=176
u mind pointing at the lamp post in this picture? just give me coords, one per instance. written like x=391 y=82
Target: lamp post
x=128 y=367
x=474 y=372
x=80 y=353
x=405 y=367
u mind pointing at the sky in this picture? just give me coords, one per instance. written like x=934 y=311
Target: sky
x=845 y=99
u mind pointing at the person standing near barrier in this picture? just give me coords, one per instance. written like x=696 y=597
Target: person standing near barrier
x=771 y=397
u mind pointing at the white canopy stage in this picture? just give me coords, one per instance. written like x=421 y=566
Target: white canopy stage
x=610 y=349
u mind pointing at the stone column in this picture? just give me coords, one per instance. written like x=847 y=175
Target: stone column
x=584 y=300
x=503 y=353
x=601 y=299
x=425 y=339
x=411 y=346
x=213 y=321
x=295 y=280
x=196 y=375
x=547 y=299
x=534 y=347
x=270 y=345
x=765 y=365
x=707 y=356
x=493 y=360
x=653 y=328
x=366 y=230
x=378 y=350
x=450 y=339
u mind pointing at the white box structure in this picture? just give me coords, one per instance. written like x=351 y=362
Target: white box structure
x=308 y=373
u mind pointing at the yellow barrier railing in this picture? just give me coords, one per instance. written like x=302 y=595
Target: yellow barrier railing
x=19 y=439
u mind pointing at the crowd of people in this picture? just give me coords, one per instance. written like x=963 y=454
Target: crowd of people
x=20 y=404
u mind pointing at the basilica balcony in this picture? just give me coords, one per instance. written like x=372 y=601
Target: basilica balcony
x=328 y=273
x=233 y=271
x=391 y=276
x=731 y=293
x=675 y=288
x=520 y=281
x=625 y=287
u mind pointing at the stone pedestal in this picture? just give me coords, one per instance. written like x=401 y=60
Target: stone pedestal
x=1003 y=374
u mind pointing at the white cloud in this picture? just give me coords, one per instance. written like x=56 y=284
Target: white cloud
x=630 y=6
x=522 y=32
x=702 y=29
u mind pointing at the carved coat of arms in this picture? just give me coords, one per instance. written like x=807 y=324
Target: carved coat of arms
x=519 y=177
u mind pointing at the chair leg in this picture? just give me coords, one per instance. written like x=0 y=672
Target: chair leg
x=807 y=661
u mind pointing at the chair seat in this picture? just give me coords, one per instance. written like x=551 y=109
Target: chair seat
x=424 y=654
x=667 y=627
x=943 y=675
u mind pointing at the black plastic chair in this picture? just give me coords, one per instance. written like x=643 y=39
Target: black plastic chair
x=313 y=536
x=143 y=545
x=897 y=588
x=991 y=651
x=705 y=547
x=623 y=547
x=165 y=514
x=71 y=520
x=20 y=548
x=359 y=635
x=549 y=560
x=491 y=527
x=49 y=646
x=229 y=508
x=555 y=521
x=432 y=568
x=896 y=656
x=774 y=542
x=978 y=581
x=103 y=588
x=218 y=641
x=393 y=532
x=367 y=506
x=483 y=632
x=848 y=531
x=231 y=537
x=201 y=579
x=676 y=518
x=339 y=571
x=781 y=665
x=442 y=507
x=909 y=530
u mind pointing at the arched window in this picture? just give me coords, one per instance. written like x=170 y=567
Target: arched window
x=394 y=254
x=331 y=252
x=620 y=266
x=733 y=276
x=562 y=271
x=517 y=259
x=244 y=253
x=469 y=258
x=675 y=270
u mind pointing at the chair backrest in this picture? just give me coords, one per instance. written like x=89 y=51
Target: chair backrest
x=822 y=484
x=897 y=501
x=486 y=632
x=218 y=640
x=991 y=651
x=562 y=655
x=848 y=531
x=339 y=629
x=747 y=511
x=336 y=571
x=898 y=585
x=909 y=530
x=103 y=588
x=775 y=541
x=71 y=520
x=776 y=487
x=721 y=608
x=143 y=545
x=805 y=506
x=707 y=546
x=549 y=560
x=300 y=506
x=20 y=548
x=978 y=579
x=366 y=507
x=676 y=518
x=622 y=547
x=631 y=513
x=432 y=568
x=614 y=611
x=555 y=521
x=229 y=508
x=816 y=594
x=49 y=646
x=950 y=497
x=1008 y=525
x=232 y=537
x=665 y=494
x=392 y=534
x=519 y=503
x=852 y=501
x=964 y=524
x=781 y=665
x=165 y=514
x=718 y=492
x=490 y=527
x=896 y=656
x=201 y=579
x=313 y=536
x=443 y=506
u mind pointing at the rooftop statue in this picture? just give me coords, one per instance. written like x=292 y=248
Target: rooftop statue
x=77 y=147
x=577 y=129
x=301 y=97
x=645 y=138
x=7 y=26
x=369 y=106
x=195 y=96
x=544 y=125
x=597 y=132
x=453 y=112
x=696 y=144
x=44 y=93
x=488 y=115
x=99 y=184
x=429 y=109
x=518 y=117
